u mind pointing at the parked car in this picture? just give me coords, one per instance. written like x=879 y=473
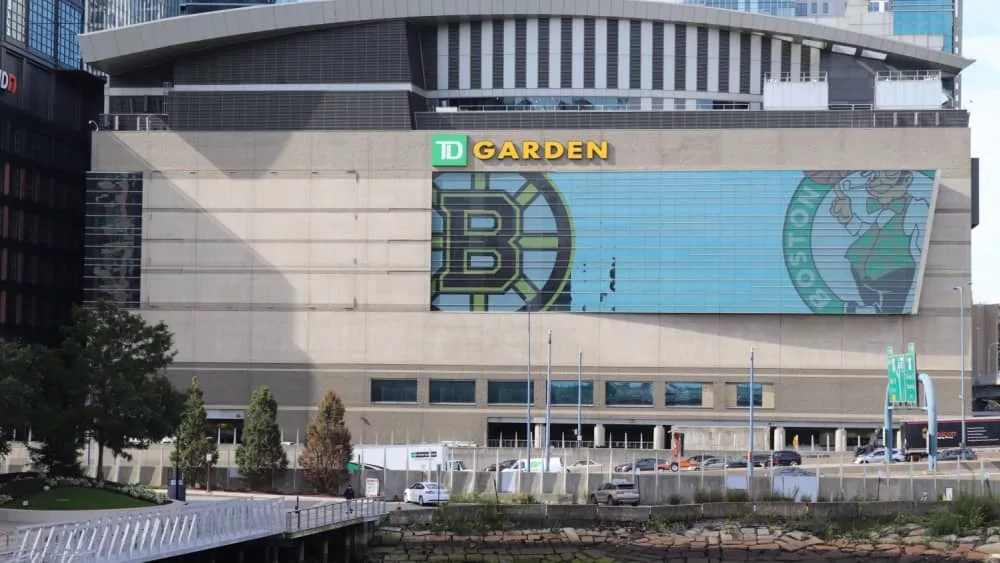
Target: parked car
x=784 y=458
x=867 y=449
x=616 y=492
x=426 y=493
x=957 y=454
x=879 y=456
x=724 y=462
x=505 y=464
x=583 y=466
x=644 y=464
x=793 y=472
x=692 y=463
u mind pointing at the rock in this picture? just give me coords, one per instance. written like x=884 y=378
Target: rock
x=992 y=548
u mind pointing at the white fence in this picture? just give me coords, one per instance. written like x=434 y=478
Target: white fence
x=150 y=535
x=333 y=513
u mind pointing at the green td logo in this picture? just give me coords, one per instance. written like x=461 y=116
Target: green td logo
x=449 y=150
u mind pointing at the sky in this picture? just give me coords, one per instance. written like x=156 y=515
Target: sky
x=981 y=96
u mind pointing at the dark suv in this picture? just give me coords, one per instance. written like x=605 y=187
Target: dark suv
x=784 y=458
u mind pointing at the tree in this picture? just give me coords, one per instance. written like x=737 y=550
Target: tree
x=260 y=454
x=17 y=365
x=327 y=450
x=58 y=416
x=123 y=361
x=196 y=451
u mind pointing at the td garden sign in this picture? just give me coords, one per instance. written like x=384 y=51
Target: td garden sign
x=455 y=150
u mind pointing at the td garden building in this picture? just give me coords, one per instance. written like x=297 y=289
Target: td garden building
x=402 y=200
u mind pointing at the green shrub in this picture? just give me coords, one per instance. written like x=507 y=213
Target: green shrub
x=737 y=495
x=524 y=498
x=674 y=499
x=966 y=514
x=20 y=488
x=702 y=496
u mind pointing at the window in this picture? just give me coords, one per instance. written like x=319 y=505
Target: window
x=738 y=395
x=569 y=393
x=508 y=393
x=15 y=20
x=628 y=393
x=453 y=391
x=42 y=26
x=394 y=390
x=70 y=24
x=685 y=395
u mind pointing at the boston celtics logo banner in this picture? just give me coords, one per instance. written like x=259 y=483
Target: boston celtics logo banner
x=788 y=241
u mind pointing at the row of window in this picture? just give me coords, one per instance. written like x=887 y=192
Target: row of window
x=36 y=187
x=616 y=393
x=47 y=28
x=45 y=271
x=23 y=310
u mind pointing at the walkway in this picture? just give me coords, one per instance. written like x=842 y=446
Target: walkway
x=181 y=530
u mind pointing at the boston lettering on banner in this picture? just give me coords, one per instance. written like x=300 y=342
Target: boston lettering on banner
x=112 y=263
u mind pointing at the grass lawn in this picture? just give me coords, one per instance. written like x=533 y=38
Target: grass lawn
x=78 y=498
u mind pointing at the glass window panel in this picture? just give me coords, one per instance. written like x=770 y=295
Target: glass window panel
x=394 y=390
x=42 y=26
x=743 y=395
x=684 y=394
x=453 y=391
x=568 y=393
x=70 y=24
x=15 y=20
x=508 y=393
x=628 y=393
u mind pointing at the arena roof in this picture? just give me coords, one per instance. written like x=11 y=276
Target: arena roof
x=136 y=46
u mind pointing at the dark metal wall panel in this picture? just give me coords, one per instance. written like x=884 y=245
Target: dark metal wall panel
x=765 y=61
x=589 y=74
x=453 y=58
x=680 y=57
x=288 y=111
x=723 y=60
x=428 y=55
x=520 y=53
x=498 y=61
x=414 y=36
x=476 y=55
x=658 y=60
x=745 y=63
x=375 y=52
x=805 y=61
x=786 y=57
x=702 y=60
x=112 y=261
x=543 y=52
x=613 y=53
x=635 y=54
x=566 y=53
x=974 y=203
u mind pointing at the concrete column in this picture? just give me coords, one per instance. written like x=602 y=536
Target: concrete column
x=840 y=440
x=539 y=436
x=659 y=438
x=325 y=548
x=779 y=438
x=302 y=551
x=600 y=436
x=898 y=440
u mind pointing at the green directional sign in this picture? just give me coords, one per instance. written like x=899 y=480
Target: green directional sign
x=903 y=376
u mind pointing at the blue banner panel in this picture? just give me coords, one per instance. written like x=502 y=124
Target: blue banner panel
x=728 y=241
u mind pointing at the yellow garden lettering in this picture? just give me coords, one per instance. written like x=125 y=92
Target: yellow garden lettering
x=541 y=150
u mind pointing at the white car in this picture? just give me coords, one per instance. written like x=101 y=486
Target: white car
x=426 y=493
x=584 y=466
x=879 y=456
x=168 y=440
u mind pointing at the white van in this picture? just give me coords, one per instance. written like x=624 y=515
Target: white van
x=538 y=465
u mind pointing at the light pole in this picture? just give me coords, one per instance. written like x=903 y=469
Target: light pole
x=750 y=424
x=528 y=398
x=961 y=337
x=579 y=401
x=548 y=406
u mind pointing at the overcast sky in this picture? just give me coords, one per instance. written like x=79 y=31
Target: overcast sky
x=981 y=96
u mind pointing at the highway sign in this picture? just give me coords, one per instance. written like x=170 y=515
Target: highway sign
x=903 y=376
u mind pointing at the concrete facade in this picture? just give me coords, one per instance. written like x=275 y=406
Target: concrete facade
x=300 y=260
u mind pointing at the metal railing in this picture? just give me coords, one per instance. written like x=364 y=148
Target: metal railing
x=333 y=513
x=886 y=75
x=133 y=122
x=150 y=535
x=820 y=76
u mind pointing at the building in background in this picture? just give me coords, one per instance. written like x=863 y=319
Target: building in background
x=46 y=102
x=986 y=357
x=397 y=201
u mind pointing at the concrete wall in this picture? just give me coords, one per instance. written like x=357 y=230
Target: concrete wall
x=985 y=341
x=300 y=260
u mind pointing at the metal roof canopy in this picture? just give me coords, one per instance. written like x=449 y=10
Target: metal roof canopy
x=142 y=45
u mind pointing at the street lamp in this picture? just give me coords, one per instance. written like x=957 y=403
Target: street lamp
x=961 y=332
